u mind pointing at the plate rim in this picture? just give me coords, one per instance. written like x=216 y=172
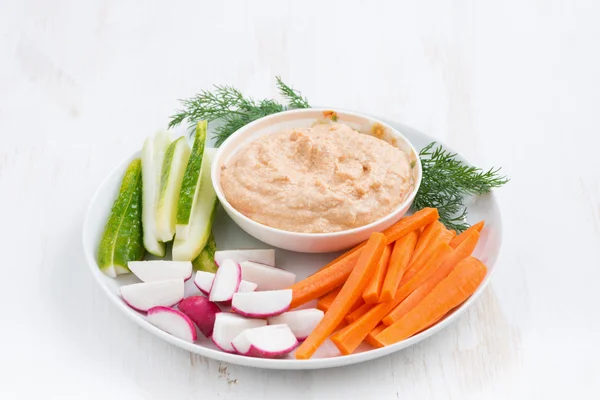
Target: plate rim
x=280 y=364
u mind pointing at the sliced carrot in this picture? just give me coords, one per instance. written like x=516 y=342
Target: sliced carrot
x=401 y=254
x=463 y=251
x=450 y=292
x=349 y=338
x=373 y=290
x=350 y=293
x=324 y=281
x=405 y=225
x=371 y=336
x=344 y=255
x=324 y=302
x=447 y=235
x=430 y=232
x=414 y=266
x=460 y=238
x=359 y=312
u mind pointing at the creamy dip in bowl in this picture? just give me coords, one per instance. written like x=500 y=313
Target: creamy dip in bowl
x=318 y=179
x=315 y=180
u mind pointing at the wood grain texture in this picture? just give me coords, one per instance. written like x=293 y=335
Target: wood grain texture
x=509 y=83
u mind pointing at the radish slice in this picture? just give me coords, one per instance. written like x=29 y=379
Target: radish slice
x=267 y=341
x=201 y=311
x=158 y=270
x=264 y=256
x=265 y=276
x=143 y=296
x=228 y=326
x=227 y=281
x=204 y=280
x=301 y=322
x=262 y=304
x=172 y=321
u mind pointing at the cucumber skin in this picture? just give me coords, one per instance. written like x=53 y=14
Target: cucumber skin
x=206 y=260
x=122 y=240
x=191 y=176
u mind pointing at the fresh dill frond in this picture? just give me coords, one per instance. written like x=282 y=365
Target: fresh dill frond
x=228 y=105
x=293 y=97
x=447 y=181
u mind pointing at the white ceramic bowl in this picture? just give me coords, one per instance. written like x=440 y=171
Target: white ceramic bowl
x=312 y=242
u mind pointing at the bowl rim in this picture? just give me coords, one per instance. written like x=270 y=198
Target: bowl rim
x=216 y=176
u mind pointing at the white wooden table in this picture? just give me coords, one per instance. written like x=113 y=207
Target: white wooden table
x=511 y=83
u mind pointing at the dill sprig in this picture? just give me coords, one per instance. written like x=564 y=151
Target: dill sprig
x=447 y=181
x=234 y=110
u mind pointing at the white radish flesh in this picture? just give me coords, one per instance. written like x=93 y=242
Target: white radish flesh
x=227 y=281
x=228 y=326
x=262 y=304
x=173 y=322
x=143 y=296
x=204 y=280
x=159 y=270
x=267 y=341
x=266 y=277
x=301 y=322
x=201 y=311
x=263 y=256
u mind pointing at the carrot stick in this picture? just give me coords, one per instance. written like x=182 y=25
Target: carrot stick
x=429 y=233
x=371 y=336
x=373 y=290
x=405 y=225
x=447 y=235
x=350 y=293
x=463 y=251
x=401 y=254
x=359 y=312
x=349 y=338
x=324 y=281
x=425 y=257
x=325 y=301
x=460 y=238
x=344 y=255
x=450 y=292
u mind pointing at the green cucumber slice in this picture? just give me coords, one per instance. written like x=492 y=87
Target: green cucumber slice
x=202 y=215
x=206 y=260
x=153 y=155
x=191 y=182
x=176 y=159
x=122 y=238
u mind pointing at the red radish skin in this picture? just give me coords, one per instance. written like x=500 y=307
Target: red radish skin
x=173 y=322
x=266 y=277
x=228 y=326
x=263 y=256
x=265 y=342
x=262 y=304
x=204 y=280
x=301 y=322
x=143 y=296
x=160 y=270
x=227 y=281
x=201 y=311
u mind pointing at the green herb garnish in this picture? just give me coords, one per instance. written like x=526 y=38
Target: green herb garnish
x=233 y=109
x=446 y=180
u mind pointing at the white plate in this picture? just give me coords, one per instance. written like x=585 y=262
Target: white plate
x=230 y=236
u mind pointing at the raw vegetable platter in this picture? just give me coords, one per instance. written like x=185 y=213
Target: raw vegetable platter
x=229 y=236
